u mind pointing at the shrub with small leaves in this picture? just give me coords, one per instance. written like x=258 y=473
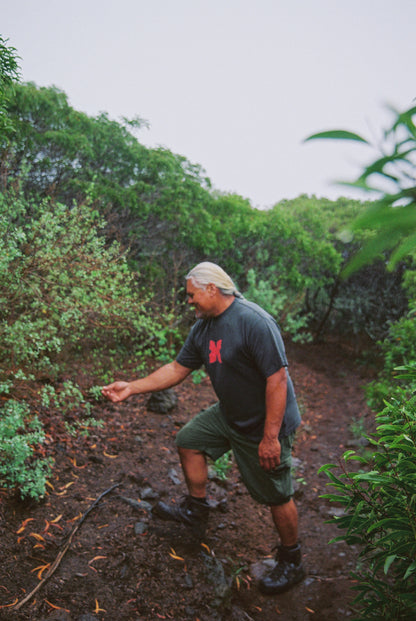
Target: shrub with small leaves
x=379 y=502
x=20 y=468
x=64 y=293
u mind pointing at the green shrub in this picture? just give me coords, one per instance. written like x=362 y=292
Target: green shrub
x=68 y=398
x=276 y=301
x=64 y=294
x=68 y=305
x=222 y=465
x=379 y=502
x=20 y=468
x=398 y=349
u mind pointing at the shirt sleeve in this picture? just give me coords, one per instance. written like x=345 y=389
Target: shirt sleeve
x=267 y=348
x=189 y=356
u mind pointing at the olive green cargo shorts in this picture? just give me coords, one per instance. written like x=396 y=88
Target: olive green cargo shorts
x=209 y=433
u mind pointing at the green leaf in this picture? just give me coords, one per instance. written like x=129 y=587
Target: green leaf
x=326 y=467
x=348 y=454
x=384 y=215
x=337 y=134
x=370 y=251
x=403 y=250
x=389 y=560
x=377 y=167
x=410 y=570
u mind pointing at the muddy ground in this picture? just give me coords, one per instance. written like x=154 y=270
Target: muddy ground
x=123 y=565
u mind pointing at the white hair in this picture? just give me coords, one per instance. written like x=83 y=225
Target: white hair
x=205 y=273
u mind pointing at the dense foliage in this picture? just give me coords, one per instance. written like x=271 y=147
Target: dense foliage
x=380 y=499
x=390 y=225
x=66 y=300
x=160 y=208
x=379 y=502
x=63 y=293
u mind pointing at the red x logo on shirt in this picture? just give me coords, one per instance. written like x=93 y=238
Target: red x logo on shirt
x=215 y=351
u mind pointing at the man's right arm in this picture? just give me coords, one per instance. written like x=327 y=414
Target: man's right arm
x=165 y=377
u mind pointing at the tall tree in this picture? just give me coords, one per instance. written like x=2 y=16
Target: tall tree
x=9 y=73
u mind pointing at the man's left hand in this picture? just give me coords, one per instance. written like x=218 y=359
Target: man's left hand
x=269 y=454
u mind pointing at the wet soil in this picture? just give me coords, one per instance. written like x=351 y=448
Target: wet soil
x=122 y=564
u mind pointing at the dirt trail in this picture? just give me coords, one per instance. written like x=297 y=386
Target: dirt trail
x=123 y=565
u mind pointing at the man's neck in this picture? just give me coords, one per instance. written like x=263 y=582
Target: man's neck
x=224 y=302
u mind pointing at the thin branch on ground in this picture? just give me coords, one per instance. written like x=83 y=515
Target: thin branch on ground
x=64 y=550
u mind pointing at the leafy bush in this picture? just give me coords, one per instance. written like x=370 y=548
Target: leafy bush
x=66 y=296
x=379 y=502
x=67 y=399
x=379 y=499
x=398 y=349
x=63 y=293
x=20 y=468
x=275 y=301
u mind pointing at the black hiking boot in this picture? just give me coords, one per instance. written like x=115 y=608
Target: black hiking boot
x=287 y=572
x=190 y=511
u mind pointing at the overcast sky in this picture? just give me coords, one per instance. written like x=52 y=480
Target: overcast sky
x=233 y=85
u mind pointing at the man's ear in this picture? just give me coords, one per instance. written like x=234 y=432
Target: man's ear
x=211 y=288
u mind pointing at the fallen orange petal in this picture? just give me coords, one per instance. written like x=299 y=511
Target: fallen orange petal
x=23 y=525
x=95 y=559
x=40 y=572
x=41 y=569
x=74 y=463
x=10 y=605
x=97 y=608
x=68 y=485
x=56 y=607
x=57 y=519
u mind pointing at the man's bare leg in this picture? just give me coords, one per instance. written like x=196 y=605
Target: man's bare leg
x=285 y=518
x=288 y=570
x=194 y=466
x=193 y=510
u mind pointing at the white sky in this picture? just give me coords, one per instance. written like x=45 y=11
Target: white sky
x=233 y=85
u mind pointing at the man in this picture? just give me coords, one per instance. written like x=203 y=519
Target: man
x=243 y=353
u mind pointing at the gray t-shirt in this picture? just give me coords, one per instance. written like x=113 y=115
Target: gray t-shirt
x=240 y=349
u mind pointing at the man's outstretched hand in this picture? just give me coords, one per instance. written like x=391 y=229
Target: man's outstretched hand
x=117 y=391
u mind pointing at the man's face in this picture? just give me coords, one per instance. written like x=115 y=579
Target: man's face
x=201 y=299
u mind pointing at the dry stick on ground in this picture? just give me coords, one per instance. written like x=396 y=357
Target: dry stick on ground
x=61 y=554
